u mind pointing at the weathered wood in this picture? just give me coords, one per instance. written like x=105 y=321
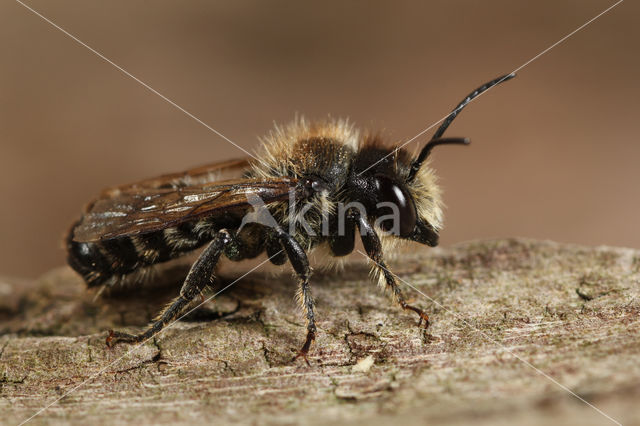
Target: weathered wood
x=572 y=312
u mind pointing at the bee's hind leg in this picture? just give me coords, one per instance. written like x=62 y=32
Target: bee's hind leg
x=198 y=278
x=373 y=247
x=300 y=263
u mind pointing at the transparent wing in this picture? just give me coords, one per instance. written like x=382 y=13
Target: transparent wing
x=231 y=169
x=152 y=205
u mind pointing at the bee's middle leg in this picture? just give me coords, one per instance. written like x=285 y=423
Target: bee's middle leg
x=298 y=259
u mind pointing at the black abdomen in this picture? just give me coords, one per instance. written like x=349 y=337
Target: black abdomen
x=105 y=261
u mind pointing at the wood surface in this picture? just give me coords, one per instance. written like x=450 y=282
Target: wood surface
x=522 y=332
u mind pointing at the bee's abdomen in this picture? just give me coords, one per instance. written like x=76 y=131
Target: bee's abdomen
x=100 y=262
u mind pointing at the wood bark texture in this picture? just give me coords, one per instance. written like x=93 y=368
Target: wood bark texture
x=522 y=331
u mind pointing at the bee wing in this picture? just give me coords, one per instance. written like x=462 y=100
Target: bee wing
x=137 y=208
x=224 y=170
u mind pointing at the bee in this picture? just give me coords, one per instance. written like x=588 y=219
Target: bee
x=321 y=185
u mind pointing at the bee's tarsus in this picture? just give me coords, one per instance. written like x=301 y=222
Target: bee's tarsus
x=304 y=351
x=109 y=340
x=423 y=322
x=116 y=337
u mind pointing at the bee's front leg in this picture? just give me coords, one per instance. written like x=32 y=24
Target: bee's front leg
x=198 y=278
x=300 y=263
x=373 y=247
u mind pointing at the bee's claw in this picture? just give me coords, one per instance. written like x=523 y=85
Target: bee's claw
x=423 y=317
x=115 y=337
x=311 y=336
x=109 y=340
x=303 y=355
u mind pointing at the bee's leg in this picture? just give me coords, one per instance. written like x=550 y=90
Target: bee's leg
x=300 y=263
x=199 y=276
x=373 y=247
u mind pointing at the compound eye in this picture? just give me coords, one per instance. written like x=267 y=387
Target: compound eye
x=389 y=192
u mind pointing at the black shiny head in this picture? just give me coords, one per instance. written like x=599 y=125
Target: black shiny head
x=378 y=183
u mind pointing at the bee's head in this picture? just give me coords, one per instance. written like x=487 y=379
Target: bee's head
x=400 y=192
x=399 y=201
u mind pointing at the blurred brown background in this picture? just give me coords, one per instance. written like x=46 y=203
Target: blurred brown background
x=554 y=153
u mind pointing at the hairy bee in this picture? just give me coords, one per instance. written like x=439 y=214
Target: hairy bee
x=318 y=185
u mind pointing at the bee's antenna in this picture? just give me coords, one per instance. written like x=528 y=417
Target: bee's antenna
x=437 y=138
